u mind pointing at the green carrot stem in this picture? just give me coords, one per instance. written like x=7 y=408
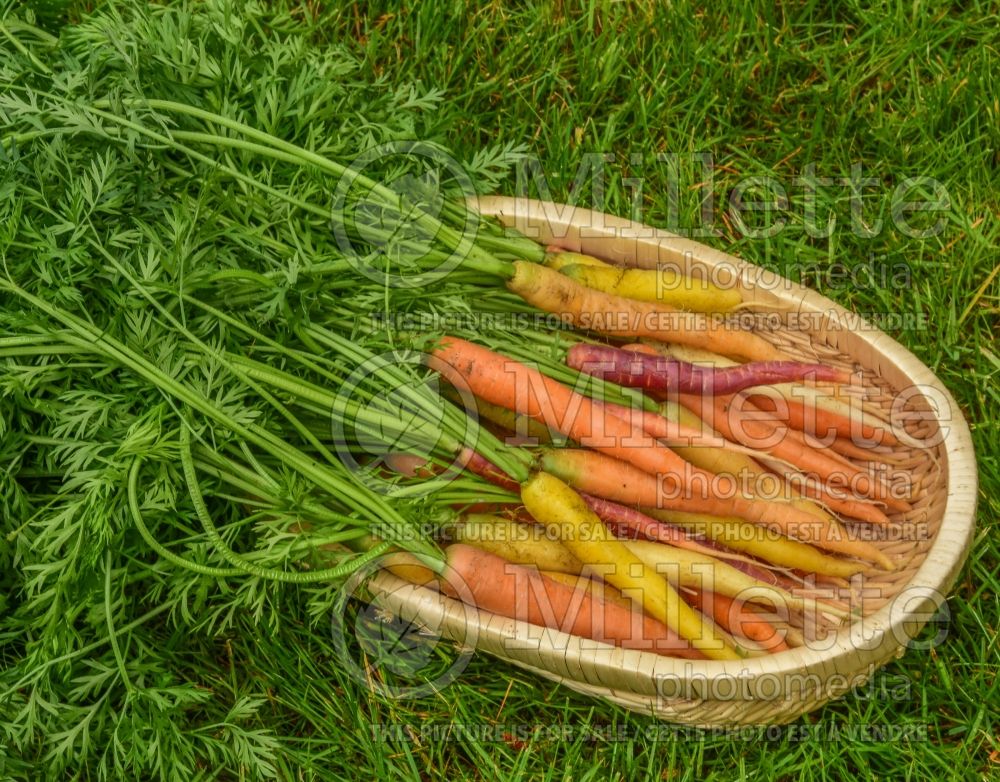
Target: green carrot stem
x=378 y=510
x=159 y=548
x=241 y=563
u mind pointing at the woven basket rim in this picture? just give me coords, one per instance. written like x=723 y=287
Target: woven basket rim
x=886 y=630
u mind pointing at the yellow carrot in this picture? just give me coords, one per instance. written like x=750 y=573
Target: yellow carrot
x=520 y=425
x=522 y=544
x=760 y=542
x=618 y=316
x=663 y=286
x=701 y=571
x=563 y=258
x=566 y=515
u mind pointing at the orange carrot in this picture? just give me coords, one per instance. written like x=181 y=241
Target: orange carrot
x=612 y=479
x=518 y=592
x=641 y=347
x=851 y=507
x=860 y=480
x=788 y=447
x=606 y=313
x=840 y=445
x=732 y=462
x=849 y=449
x=818 y=421
x=739 y=618
x=837 y=449
x=661 y=428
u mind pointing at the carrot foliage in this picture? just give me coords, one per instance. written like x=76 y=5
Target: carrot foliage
x=186 y=292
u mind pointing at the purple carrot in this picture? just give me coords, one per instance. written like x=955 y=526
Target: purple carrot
x=638 y=524
x=761 y=573
x=630 y=524
x=660 y=375
x=484 y=468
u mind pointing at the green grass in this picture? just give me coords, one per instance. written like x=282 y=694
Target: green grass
x=904 y=90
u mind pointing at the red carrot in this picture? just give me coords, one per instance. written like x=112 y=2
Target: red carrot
x=409 y=465
x=632 y=524
x=484 y=468
x=639 y=524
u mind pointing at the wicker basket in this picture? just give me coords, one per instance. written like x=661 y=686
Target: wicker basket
x=776 y=688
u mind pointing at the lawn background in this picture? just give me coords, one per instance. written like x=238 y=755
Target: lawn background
x=901 y=89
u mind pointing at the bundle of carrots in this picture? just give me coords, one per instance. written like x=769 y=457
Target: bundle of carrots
x=705 y=517
x=691 y=479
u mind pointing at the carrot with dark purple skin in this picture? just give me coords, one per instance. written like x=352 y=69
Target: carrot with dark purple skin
x=660 y=375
